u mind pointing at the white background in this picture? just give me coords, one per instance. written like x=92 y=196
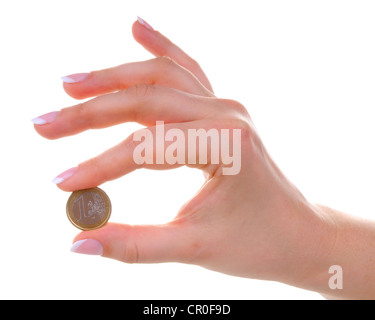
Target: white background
x=304 y=69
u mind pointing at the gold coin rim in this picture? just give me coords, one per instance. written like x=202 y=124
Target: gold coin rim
x=108 y=208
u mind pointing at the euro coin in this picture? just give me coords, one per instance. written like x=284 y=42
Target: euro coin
x=89 y=209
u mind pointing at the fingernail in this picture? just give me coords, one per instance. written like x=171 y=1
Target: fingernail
x=46 y=118
x=64 y=176
x=88 y=246
x=145 y=24
x=75 y=78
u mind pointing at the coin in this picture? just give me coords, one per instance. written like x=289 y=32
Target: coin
x=89 y=209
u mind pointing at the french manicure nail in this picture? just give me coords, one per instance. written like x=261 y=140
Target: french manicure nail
x=64 y=176
x=88 y=246
x=75 y=78
x=46 y=118
x=145 y=24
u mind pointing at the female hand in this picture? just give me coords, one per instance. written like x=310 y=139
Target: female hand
x=254 y=223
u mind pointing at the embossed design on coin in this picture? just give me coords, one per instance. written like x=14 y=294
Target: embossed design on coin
x=88 y=209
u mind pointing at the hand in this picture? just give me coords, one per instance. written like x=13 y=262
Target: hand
x=252 y=224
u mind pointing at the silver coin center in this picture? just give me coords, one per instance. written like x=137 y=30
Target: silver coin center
x=89 y=208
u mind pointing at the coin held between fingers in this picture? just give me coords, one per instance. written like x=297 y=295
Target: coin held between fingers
x=89 y=209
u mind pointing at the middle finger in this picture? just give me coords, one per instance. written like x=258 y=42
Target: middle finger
x=161 y=71
x=144 y=104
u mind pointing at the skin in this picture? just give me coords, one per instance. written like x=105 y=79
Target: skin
x=256 y=224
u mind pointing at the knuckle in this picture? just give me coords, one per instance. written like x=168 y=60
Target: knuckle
x=236 y=106
x=250 y=140
x=141 y=90
x=245 y=127
x=130 y=253
x=235 y=116
x=80 y=112
x=247 y=130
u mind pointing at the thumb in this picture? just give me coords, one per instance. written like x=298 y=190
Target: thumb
x=138 y=244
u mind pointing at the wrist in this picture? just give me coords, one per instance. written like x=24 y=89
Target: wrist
x=319 y=237
x=312 y=240
x=342 y=263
